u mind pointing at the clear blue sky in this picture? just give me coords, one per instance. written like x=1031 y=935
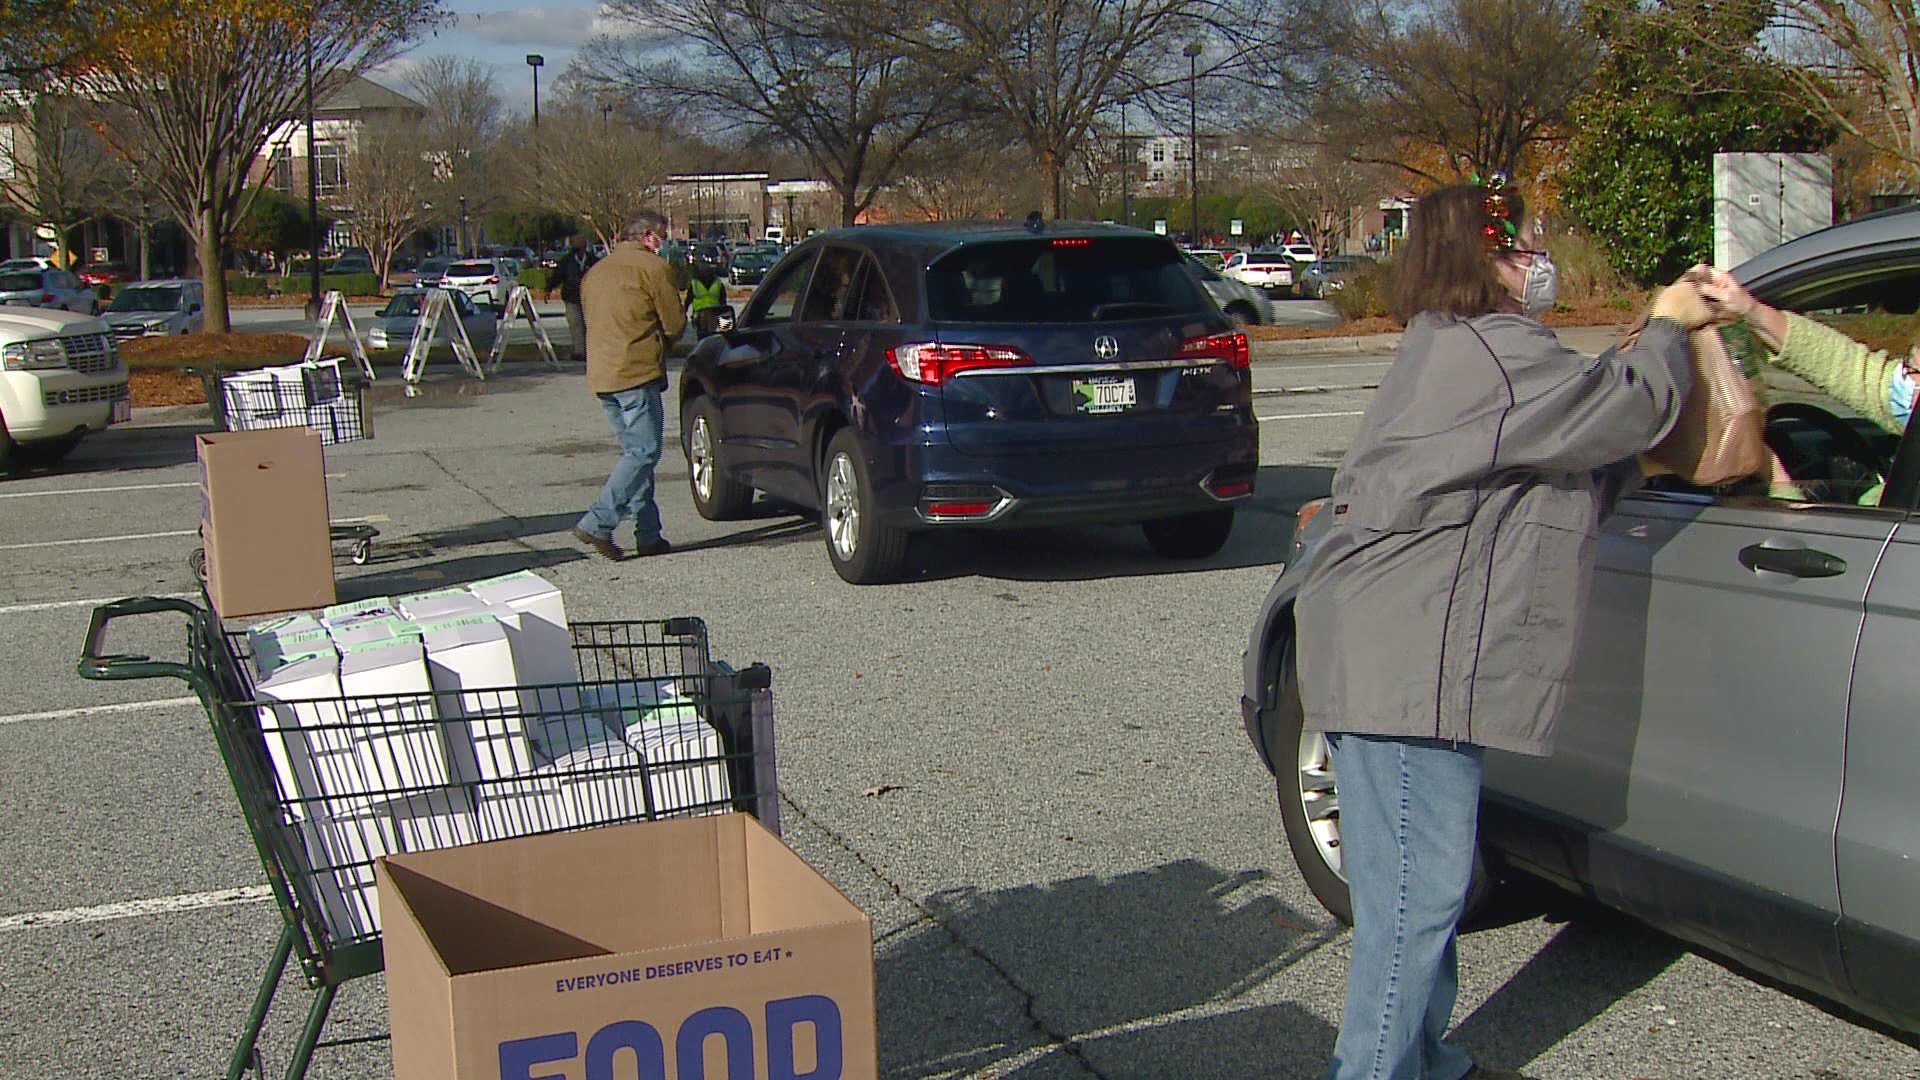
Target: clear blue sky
x=501 y=33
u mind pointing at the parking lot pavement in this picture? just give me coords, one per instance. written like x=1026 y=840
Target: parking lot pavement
x=1026 y=764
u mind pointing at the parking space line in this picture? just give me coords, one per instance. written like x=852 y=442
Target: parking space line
x=128 y=909
x=95 y=710
x=96 y=490
x=99 y=539
x=51 y=605
x=1306 y=415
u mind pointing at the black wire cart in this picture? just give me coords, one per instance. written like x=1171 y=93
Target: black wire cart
x=320 y=396
x=327 y=785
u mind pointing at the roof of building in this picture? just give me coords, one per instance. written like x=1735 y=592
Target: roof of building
x=361 y=93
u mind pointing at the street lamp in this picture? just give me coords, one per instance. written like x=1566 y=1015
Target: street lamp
x=534 y=61
x=313 y=195
x=463 y=227
x=1193 y=136
x=1126 y=169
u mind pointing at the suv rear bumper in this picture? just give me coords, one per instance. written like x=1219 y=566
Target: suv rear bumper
x=1092 y=487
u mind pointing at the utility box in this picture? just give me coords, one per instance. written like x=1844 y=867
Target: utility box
x=1761 y=201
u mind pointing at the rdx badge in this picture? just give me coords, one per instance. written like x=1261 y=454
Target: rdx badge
x=636 y=1041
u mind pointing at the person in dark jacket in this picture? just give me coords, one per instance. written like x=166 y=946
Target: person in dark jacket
x=567 y=275
x=1441 y=611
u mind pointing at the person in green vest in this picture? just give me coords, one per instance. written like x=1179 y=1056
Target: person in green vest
x=706 y=297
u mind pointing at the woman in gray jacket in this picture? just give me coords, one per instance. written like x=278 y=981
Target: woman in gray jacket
x=1441 y=611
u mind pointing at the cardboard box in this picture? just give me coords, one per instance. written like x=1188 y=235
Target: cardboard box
x=471 y=665
x=542 y=644
x=347 y=633
x=396 y=735
x=534 y=957
x=442 y=604
x=264 y=521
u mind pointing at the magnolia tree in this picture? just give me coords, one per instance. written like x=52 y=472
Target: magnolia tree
x=202 y=85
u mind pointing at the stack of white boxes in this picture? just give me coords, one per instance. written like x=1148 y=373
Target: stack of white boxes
x=457 y=716
x=306 y=394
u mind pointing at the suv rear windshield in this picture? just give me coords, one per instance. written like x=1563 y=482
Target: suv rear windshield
x=470 y=269
x=19 y=282
x=1268 y=258
x=1062 y=280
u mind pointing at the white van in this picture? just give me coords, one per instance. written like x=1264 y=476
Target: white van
x=775 y=235
x=60 y=378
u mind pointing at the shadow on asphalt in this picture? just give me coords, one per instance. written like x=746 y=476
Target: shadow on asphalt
x=499 y=529
x=122 y=448
x=1108 y=961
x=449 y=572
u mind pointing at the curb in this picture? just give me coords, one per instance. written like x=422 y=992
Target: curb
x=1326 y=346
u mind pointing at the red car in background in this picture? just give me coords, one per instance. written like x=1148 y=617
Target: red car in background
x=106 y=273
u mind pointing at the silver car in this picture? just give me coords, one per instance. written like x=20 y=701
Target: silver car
x=1735 y=763
x=392 y=326
x=484 y=281
x=48 y=289
x=1241 y=302
x=155 y=308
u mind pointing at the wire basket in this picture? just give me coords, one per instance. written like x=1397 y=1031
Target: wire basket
x=314 y=395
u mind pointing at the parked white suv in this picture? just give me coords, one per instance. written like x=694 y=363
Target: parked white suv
x=60 y=378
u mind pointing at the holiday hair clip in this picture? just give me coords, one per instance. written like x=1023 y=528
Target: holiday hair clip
x=1500 y=231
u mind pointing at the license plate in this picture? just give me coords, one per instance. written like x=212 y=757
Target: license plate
x=1103 y=395
x=122 y=411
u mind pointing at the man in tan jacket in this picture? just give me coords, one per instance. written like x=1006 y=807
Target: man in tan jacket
x=632 y=312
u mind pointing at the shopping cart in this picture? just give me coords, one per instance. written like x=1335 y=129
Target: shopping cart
x=314 y=395
x=318 y=848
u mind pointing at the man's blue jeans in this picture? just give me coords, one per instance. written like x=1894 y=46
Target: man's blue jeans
x=640 y=424
x=1409 y=813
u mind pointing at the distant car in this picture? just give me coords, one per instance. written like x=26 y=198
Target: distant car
x=1211 y=258
x=1241 y=302
x=1301 y=253
x=26 y=264
x=482 y=280
x=1329 y=275
x=105 y=273
x=392 y=326
x=351 y=264
x=1269 y=270
x=749 y=266
x=48 y=289
x=430 y=271
x=915 y=378
x=152 y=308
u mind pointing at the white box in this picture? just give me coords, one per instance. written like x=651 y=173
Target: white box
x=359 y=631
x=442 y=604
x=272 y=651
x=471 y=664
x=343 y=844
x=543 y=646
x=665 y=727
x=371 y=607
x=520 y=806
x=599 y=776
x=303 y=727
x=264 y=637
x=396 y=736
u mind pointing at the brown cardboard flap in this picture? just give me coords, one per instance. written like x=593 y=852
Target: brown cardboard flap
x=470 y=934
x=787 y=893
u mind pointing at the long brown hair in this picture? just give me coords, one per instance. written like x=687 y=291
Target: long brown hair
x=1446 y=267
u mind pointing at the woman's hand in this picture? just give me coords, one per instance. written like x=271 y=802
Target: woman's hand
x=1731 y=300
x=1684 y=302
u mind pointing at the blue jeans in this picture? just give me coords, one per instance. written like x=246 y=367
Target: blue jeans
x=1409 y=812
x=639 y=423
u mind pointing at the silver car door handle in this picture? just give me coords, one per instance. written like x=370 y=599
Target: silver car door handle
x=1795 y=562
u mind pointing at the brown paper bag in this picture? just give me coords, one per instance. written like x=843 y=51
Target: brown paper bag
x=1719 y=436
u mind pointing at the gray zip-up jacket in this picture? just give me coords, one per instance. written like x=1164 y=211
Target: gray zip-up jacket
x=1446 y=599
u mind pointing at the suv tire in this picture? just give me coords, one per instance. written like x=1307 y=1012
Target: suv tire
x=864 y=551
x=725 y=498
x=1190 y=536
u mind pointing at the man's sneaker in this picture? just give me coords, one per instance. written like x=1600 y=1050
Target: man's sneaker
x=658 y=547
x=603 y=546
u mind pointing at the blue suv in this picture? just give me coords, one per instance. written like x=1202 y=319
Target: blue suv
x=907 y=378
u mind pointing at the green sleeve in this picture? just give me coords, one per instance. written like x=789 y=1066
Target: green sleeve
x=1843 y=368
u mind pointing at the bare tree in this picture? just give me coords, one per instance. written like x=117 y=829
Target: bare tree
x=1857 y=66
x=1480 y=81
x=1052 y=69
x=1311 y=179
x=389 y=181
x=203 y=87
x=831 y=78
x=967 y=172
x=598 y=168
x=463 y=133
x=54 y=166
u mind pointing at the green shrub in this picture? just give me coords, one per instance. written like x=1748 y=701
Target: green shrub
x=351 y=284
x=535 y=278
x=247 y=285
x=1362 y=297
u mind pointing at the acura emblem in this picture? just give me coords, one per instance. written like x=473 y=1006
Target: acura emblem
x=1105 y=347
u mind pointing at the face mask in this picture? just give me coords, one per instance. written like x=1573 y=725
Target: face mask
x=1900 y=395
x=1542 y=286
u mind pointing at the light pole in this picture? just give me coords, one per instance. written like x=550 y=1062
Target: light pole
x=534 y=61
x=1126 y=170
x=1193 y=138
x=313 y=196
x=463 y=227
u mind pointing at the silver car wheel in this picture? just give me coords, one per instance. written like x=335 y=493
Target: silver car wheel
x=843 y=507
x=700 y=458
x=1319 y=801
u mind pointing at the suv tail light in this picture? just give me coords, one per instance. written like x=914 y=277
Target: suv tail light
x=934 y=364
x=47 y=299
x=493 y=281
x=1232 y=348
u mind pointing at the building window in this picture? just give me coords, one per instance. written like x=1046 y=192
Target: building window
x=1156 y=176
x=329 y=167
x=281 y=174
x=1159 y=153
